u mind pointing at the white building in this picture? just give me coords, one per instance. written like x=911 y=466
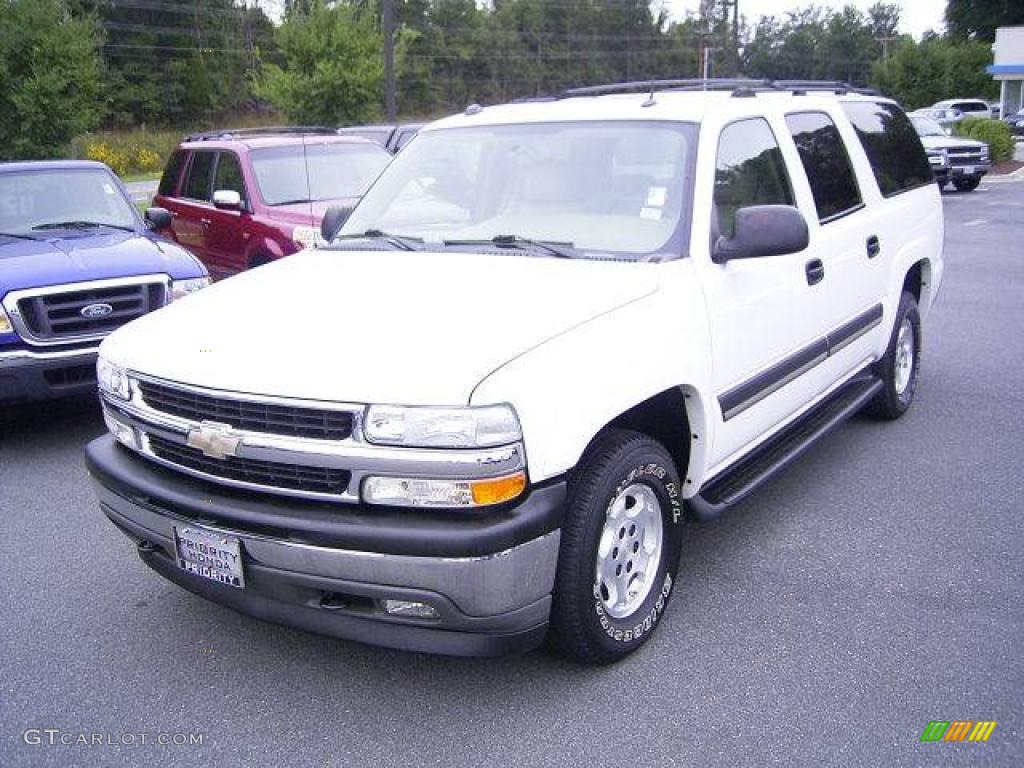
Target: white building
x=1008 y=67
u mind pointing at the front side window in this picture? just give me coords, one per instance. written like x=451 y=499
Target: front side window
x=897 y=158
x=750 y=170
x=229 y=176
x=823 y=156
x=288 y=175
x=39 y=203
x=197 y=186
x=604 y=187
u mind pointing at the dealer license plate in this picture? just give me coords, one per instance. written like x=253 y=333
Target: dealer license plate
x=210 y=555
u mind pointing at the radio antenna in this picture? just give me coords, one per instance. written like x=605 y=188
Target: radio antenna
x=309 y=185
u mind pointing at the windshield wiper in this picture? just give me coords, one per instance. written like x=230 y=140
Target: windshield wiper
x=80 y=225
x=562 y=250
x=400 y=241
x=19 y=237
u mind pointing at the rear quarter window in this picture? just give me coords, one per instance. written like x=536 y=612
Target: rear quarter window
x=898 y=160
x=172 y=173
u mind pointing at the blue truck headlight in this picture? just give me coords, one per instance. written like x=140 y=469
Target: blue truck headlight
x=182 y=288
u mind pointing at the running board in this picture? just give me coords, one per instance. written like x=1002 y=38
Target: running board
x=753 y=471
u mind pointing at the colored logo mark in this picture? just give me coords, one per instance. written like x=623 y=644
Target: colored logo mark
x=958 y=730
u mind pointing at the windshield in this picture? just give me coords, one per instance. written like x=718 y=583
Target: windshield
x=925 y=126
x=335 y=171
x=614 y=188
x=35 y=202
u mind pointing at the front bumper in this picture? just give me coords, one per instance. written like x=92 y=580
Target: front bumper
x=27 y=375
x=327 y=567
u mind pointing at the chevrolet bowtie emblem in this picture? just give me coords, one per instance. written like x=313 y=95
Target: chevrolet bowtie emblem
x=214 y=440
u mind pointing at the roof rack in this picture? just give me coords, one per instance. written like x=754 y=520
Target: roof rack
x=836 y=86
x=240 y=133
x=740 y=87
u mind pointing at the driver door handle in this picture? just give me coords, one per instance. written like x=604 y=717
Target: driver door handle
x=815 y=271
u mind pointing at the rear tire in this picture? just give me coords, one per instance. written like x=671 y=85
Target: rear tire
x=620 y=548
x=966 y=185
x=900 y=368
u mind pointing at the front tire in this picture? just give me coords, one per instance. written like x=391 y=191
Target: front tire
x=620 y=548
x=900 y=368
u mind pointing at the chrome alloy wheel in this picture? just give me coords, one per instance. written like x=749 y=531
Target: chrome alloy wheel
x=903 y=367
x=629 y=551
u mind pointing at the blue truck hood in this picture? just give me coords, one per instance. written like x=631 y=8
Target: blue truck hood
x=90 y=256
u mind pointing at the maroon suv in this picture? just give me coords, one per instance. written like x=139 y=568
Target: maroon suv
x=239 y=199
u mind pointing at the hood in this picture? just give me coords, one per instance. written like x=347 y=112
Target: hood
x=950 y=142
x=299 y=213
x=389 y=327
x=99 y=256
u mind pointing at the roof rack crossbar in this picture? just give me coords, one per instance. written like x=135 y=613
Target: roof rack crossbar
x=238 y=133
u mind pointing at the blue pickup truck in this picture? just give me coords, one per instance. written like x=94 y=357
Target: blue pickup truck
x=76 y=261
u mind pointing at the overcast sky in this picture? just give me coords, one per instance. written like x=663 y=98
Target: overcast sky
x=916 y=16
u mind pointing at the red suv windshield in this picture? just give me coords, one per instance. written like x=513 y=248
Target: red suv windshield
x=335 y=171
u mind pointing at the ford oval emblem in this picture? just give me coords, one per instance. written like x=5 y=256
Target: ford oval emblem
x=96 y=310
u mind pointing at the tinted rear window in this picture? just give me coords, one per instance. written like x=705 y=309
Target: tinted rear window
x=169 y=181
x=826 y=163
x=892 y=145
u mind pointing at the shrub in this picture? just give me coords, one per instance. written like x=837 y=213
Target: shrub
x=128 y=152
x=995 y=133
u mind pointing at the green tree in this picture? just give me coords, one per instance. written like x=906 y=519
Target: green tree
x=920 y=74
x=978 y=19
x=333 y=70
x=50 y=77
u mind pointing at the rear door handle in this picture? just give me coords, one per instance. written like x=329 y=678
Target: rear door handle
x=815 y=271
x=874 y=247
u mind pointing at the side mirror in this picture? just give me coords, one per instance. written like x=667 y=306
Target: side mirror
x=333 y=220
x=763 y=230
x=227 y=199
x=158 y=218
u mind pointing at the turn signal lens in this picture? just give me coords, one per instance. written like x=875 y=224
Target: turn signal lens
x=421 y=492
x=496 y=491
x=5 y=324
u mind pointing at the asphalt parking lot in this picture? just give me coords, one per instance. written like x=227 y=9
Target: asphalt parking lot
x=877 y=585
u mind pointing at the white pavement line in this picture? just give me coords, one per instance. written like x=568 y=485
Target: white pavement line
x=975 y=222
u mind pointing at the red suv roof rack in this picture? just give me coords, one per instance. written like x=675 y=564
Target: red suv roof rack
x=241 y=133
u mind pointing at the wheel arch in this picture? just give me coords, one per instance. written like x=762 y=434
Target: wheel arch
x=918 y=282
x=675 y=418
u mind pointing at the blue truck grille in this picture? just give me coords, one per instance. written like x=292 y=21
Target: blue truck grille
x=56 y=316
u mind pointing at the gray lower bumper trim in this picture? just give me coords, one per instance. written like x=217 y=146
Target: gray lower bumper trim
x=481 y=586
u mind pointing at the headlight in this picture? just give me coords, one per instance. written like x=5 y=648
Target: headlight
x=182 y=288
x=463 y=427
x=307 y=237
x=112 y=379
x=5 y=322
x=984 y=151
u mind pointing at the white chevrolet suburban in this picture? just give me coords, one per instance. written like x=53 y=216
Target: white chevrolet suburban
x=549 y=332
